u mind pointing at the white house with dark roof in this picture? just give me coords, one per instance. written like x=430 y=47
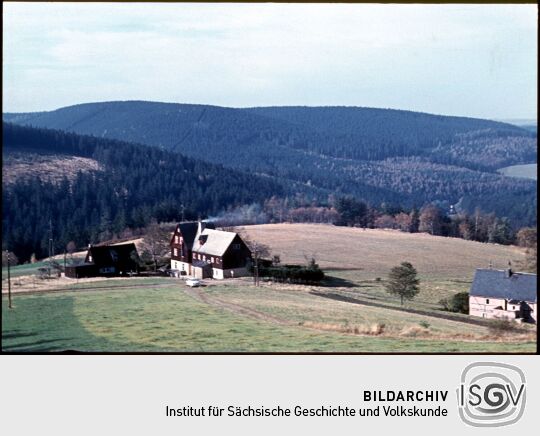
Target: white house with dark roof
x=504 y=294
x=201 y=251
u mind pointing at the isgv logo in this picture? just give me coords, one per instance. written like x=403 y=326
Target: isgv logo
x=491 y=394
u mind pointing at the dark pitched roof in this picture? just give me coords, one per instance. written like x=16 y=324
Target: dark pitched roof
x=498 y=284
x=188 y=231
x=106 y=255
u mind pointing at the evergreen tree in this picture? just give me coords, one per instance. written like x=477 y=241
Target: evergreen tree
x=403 y=282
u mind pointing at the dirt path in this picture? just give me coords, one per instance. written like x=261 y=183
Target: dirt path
x=446 y=316
x=199 y=295
x=203 y=297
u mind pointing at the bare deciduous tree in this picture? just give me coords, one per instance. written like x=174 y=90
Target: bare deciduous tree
x=156 y=244
x=258 y=251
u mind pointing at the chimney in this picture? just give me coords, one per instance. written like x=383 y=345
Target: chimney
x=201 y=227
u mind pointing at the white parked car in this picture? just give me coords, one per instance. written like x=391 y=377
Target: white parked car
x=193 y=282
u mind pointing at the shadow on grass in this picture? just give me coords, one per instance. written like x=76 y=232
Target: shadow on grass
x=337 y=282
x=47 y=324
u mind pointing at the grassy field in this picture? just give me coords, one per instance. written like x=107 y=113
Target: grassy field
x=359 y=260
x=164 y=318
x=23 y=270
x=371 y=253
x=160 y=314
x=527 y=171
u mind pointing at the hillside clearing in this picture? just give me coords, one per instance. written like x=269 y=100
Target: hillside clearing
x=527 y=171
x=48 y=167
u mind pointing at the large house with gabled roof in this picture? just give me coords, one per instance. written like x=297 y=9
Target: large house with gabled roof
x=504 y=294
x=199 y=250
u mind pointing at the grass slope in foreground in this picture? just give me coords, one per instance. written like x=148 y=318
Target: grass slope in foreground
x=164 y=318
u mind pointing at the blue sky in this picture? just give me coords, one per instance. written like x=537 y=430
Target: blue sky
x=472 y=60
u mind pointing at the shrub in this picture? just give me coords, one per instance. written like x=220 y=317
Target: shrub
x=458 y=303
x=377 y=329
x=502 y=326
x=414 y=331
x=293 y=273
x=424 y=324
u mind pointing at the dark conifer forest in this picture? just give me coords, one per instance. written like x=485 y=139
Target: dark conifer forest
x=213 y=159
x=136 y=183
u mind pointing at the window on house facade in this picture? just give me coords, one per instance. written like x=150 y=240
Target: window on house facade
x=175 y=251
x=177 y=239
x=487 y=300
x=236 y=246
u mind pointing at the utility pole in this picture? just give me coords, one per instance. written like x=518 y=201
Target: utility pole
x=256 y=265
x=50 y=246
x=9 y=281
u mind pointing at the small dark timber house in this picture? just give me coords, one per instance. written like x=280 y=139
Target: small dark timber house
x=107 y=260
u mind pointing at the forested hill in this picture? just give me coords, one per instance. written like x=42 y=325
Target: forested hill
x=133 y=184
x=339 y=132
x=373 y=134
x=378 y=155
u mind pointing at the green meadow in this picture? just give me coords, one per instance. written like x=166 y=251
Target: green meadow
x=163 y=318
